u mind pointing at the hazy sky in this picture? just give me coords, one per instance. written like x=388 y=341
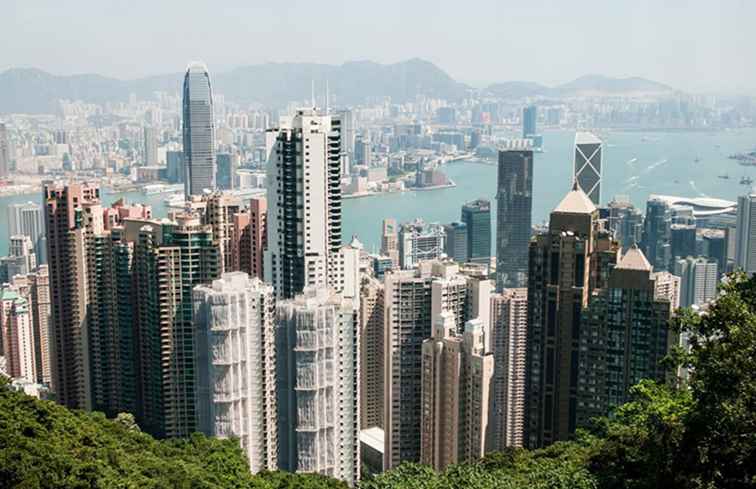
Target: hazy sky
x=694 y=45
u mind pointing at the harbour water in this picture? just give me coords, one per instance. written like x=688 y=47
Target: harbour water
x=636 y=164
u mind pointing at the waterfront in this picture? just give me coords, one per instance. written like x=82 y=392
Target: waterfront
x=635 y=164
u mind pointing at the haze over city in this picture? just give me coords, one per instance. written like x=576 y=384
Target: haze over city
x=693 y=46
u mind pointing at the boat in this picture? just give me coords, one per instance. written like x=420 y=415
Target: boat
x=746 y=181
x=697 y=160
x=724 y=177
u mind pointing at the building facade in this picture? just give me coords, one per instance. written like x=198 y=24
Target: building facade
x=477 y=217
x=587 y=165
x=198 y=131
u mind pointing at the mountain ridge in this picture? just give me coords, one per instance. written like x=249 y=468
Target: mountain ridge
x=32 y=90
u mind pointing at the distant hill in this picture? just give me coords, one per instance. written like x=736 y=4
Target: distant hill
x=596 y=85
x=275 y=84
x=270 y=84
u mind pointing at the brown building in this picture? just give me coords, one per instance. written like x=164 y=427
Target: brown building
x=566 y=264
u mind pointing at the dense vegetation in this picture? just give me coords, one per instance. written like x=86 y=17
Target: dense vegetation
x=699 y=435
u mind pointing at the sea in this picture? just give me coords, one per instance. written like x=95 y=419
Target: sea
x=635 y=165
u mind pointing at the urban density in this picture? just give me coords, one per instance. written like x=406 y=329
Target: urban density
x=185 y=255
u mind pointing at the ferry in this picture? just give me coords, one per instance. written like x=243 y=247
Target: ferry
x=724 y=177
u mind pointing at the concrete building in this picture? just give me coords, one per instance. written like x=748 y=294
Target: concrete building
x=698 y=280
x=514 y=200
x=529 y=119
x=5 y=158
x=745 y=237
x=317 y=342
x=236 y=362
x=419 y=241
x=22 y=246
x=477 y=217
x=455 y=244
x=509 y=326
x=228 y=164
x=26 y=219
x=304 y=196
x=657 y=234
x=170 y=259
x=150 y=156
x=39 y=293
x=17 y=334
x=198 y=131
x=219 y=212
x=567 y=263
x=372 y=332
x=413 y=299
x=456 y=388
x=587 y=165
x=390 y=240
x=624 y=335
x=625 y=222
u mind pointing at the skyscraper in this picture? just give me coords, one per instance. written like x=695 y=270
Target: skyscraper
x=198 y=131
x=514 y=197
x=477 y=217
x=413 y=299
x=390 y=240
x=509 y=328
x=623 y=338
x=587 y=166
x=26 y=219
x=220 y=209
x=68 y=232
x=455 y=245
x=456 y=386
x=235 y=338
x=318 y=384
x=745 y=246
x=228 y=164
x=372 y=331
x=625 y=222
x=698 y=280
x=304 y=197
x=657 y=234
x=4 y=152
x=529 y=118
x=567 y=263
x=419 y=241
x=150 y=146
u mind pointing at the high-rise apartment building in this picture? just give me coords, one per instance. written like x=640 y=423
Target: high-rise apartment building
x=529 y=119
x=39 y=293
x=17 y=334
x=304 y=199
x=413 y=299
x=5 y=160
x=220 y=209
x=198 y=130
x=150 y=156
x=26 y=219
x=372 y=331
x=745 y=235
x=390 y=240
x=623 y=338
x=170 y=260
x=456 y=389
x=258 y=211
x=514 y=200
x=567 y=263
x=698 y=280
x=236 y=361
x=69 y=228
x=455 y=245
x=509 y=330
x=477 y=217
x=587 y=165
x=317 y=354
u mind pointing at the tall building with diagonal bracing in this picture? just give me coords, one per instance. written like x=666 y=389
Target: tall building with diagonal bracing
x=588 y=159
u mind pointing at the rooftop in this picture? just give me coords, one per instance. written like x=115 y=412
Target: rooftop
x=634 y=259
x=575 y=202
x=586 y=138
